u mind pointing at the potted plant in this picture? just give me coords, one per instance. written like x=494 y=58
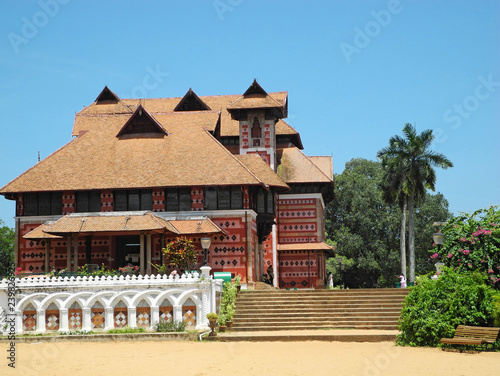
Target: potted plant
x=212 y=319
x=237 y=283
x=221 y=321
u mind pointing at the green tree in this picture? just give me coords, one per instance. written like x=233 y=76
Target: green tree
x=416 y=161
x=365 y=229
x=6 y=248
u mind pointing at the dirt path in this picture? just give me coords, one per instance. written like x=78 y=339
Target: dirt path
x=243 y=358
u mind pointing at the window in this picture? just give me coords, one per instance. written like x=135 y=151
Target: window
x=43 y=203
x=263 y=201
x=223 y=198
x=88 y=201
x=133 y=200
x=178 y=199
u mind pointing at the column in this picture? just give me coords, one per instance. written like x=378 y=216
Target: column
x=109 y=320
x=63 y=320
x=68 y=253
x=155 y=315
x=40 y=321
x=47 y=255
x=141 y=250
x=148 y=253
x=19 y=322
x=86 y=319
x=75 y=253
x=249 y=250
x=132 y=317
x=177 y=313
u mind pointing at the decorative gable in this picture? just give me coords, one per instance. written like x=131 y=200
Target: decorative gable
x=141 y=124
x=106 y=96
x=191 y=102
x=255 y=89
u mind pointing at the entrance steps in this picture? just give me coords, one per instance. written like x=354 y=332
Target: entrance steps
x=290 y=310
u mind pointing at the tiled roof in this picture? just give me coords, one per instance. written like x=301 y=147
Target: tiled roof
x=306 y=247
x=330 y=250
x=325 y=164
x=260 y=168
x=296 y=167
x=195 y=226
x=97 y=159
x=38 y=233
x=109 y=222
x=155 y=106
x=120 y=222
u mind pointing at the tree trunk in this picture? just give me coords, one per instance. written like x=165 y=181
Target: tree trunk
x=411 y=236
x=402 y=239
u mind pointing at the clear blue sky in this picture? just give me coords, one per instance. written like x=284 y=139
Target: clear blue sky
x=355 y=72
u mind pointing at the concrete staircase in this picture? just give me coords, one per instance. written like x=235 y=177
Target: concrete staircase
x=275 y=310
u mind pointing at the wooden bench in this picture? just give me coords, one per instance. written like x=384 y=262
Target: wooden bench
x=473 y=335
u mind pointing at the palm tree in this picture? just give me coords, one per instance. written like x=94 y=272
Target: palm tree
x=393 y=192
x=409 y=166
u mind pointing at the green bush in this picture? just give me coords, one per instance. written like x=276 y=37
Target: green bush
x=433 y=309
x=126 y=329
x=170 y=326
x=228 y=302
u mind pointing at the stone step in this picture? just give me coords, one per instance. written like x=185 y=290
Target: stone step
x=295 y=315
x=316 y=326
x=349 y=303
x=314 y=320
x=337 y=335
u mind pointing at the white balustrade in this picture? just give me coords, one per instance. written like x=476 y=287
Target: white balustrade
x=79 y=299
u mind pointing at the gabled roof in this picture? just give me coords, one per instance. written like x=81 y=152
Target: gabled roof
x=296 y=167
x=106 y=95
x=141 y=123
x=255 y=89
x=97 y=159
x=191 y=102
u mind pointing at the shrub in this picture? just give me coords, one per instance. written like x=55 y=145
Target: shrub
x=170 y=326
x=433 y=309
x=126 y=329
x=472 y=242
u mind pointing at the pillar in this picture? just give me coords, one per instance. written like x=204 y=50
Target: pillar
x=141 y=250
x=40 y=321
x=177 y=311
x=75 y=253
x=86 y=319
x=109 y=320
x=68 y=253
x=47 y=255
x=155 y=315
x=63 y=320
x=148 y=253
x=132 y=317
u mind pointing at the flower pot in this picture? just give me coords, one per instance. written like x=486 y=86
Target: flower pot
x=222 y=328
x=229 y=324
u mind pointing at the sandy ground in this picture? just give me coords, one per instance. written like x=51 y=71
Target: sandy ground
x=243 y=358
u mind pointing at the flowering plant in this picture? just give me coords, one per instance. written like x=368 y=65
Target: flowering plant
x=472 y=242
x=129 y=270
x=181 y=253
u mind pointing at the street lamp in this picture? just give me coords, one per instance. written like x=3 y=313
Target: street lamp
x=205 y=244
x=438 y=238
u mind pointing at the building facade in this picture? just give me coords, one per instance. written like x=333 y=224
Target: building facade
x=140 y=172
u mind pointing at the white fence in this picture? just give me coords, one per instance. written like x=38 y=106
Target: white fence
x=43 y=304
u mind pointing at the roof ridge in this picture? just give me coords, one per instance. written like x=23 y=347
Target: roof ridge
x=72 y=141
x=236 y=159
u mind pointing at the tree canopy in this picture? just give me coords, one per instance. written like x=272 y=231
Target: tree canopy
x=6 y=248
x=408 y=164
x=365 y=228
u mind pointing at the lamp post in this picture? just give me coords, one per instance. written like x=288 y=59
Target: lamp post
x=438 y=238
x=205 y=244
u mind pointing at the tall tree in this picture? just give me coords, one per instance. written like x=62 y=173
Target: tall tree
x=393 y=191
x=6 y=248
x=416 y=161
